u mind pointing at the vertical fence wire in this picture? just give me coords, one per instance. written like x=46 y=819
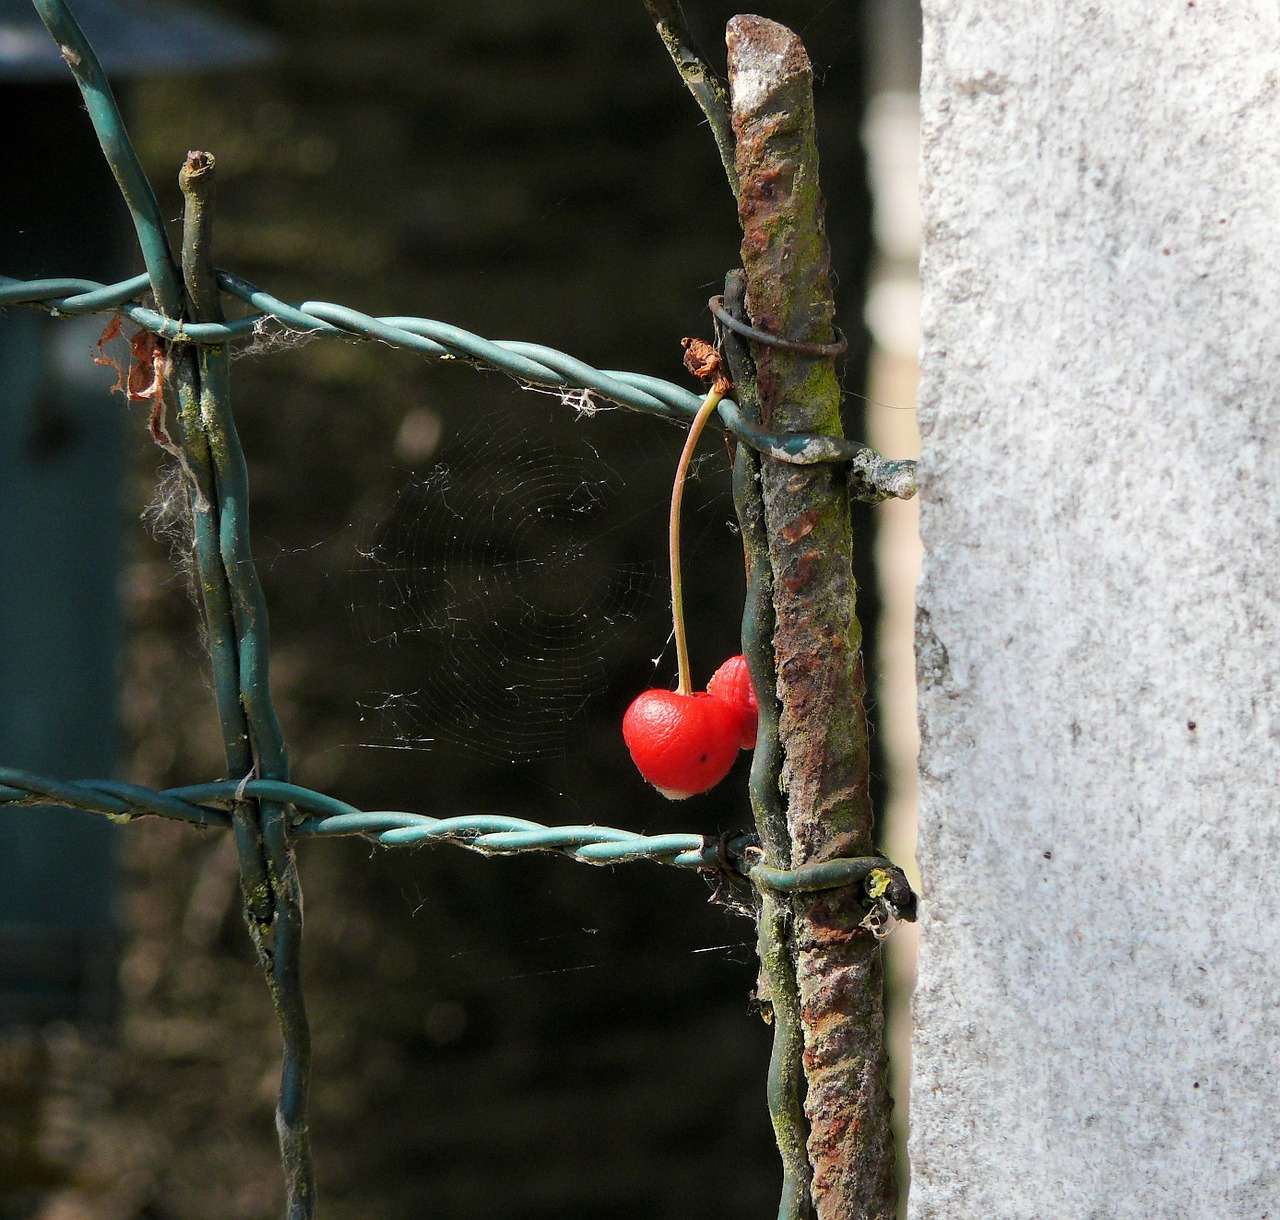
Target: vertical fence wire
x=785 y=1086
x=121 y=157
x=235 y=610
x=273 y=894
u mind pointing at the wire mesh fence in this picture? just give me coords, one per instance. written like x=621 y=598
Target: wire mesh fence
x=178 y=363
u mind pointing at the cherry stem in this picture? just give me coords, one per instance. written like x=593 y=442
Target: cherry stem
x=684 y=684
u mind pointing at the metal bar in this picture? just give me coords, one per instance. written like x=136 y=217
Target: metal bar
x=823 y=730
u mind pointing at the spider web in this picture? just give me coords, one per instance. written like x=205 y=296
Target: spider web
x=501 y=591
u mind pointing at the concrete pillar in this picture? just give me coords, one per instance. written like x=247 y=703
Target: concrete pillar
x=1098 y=1009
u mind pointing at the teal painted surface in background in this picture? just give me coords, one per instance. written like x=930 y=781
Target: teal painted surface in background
x=61 y=450
x=59 y=642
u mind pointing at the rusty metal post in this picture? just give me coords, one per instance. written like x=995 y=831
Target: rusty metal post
x=817 y=640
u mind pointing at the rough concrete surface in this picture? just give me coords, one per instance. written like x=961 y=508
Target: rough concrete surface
x=1099 y=999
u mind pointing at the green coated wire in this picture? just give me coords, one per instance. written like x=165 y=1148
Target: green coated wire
x=88 y=296
x=321 y=816
x=872 y=477
x=148 y=220
x=784 y=1086
x=273 y=893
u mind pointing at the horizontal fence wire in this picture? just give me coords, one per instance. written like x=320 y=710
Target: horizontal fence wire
x=872 y=477
x=318 y=815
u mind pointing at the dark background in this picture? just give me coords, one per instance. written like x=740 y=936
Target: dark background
x=503 y=1038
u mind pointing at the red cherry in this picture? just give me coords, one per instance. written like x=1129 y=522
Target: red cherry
x=682 y=744
x=731 y=684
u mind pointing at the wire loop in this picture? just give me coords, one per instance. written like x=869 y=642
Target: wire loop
x=816 y=350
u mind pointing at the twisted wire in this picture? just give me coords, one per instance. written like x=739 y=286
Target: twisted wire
x=318 y=815
x=872 y=476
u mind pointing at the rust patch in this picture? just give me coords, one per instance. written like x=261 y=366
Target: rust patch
x=769 y=182
x=754 y=246
x=800 y=574
x=802 y=526
x=828 y=1047
x=836 y=1128
x=827 y=932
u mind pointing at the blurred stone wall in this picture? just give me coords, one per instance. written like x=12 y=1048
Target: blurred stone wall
x=499 y=1038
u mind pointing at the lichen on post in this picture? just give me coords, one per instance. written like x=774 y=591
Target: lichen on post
x=817 y=640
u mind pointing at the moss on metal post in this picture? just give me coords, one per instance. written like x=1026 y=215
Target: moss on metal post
x=817 y=640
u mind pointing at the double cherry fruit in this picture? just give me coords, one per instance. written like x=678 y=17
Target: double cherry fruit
x=684 y=744
x=684 y=741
